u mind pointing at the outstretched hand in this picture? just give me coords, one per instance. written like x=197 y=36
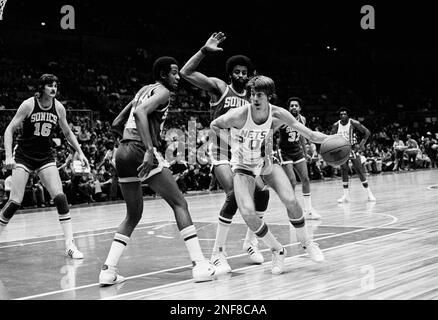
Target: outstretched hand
x=213 y=42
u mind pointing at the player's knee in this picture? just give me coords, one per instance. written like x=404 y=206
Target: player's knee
x=61 y=203
x=180 y=204
x=261 y=200
x=292 y=204
x=247 y=209
x=230 y=206
x=8 y=211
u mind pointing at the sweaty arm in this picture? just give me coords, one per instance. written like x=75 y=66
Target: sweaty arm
x=22 y=113
x=281 y=116
x=234 y=118
x=189 y=72
x=161 y=96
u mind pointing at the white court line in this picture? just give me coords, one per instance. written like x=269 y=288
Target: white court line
x=245 y=268
x=76 y=236
x=188 y=266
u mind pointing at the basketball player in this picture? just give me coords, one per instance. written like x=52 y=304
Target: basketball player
x=293 y=155
x=139 y=158
x=39 y=117
x=346 y=126
x=252 y=127
x=224 y=97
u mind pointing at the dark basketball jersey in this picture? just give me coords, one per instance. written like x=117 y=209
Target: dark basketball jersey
x=38 y=128
x=156 y=118
x=289 y=141
x=230 y=99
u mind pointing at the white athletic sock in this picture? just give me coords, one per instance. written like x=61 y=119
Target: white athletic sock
x=346 y=193
x=272 y=242
x=250 y=237
x=117 y=247
x=223 y=227
x=192 y=243
x=307 y=203
x=65 y=221
x=302 y=235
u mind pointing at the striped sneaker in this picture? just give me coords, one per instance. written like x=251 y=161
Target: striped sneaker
x=254 y=253
x=73 y=252
x=313 y=250
x=203 y=271
x=278 y=261
x=219 y=260
x=108 y=276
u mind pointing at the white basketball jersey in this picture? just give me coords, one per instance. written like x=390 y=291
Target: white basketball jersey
x=347 y=131
x=248 y=143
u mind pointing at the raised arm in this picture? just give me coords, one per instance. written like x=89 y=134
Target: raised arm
x=189 y=70
x=281 y=116
x=23 y=111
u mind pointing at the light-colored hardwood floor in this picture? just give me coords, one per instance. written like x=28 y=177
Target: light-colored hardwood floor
x=382 y=250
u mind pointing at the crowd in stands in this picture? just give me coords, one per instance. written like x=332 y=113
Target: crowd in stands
x=106 y=87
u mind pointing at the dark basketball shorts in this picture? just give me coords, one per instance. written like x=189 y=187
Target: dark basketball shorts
x=291 y=158
x=219 y=155
x=129 y=156
x=33 y=161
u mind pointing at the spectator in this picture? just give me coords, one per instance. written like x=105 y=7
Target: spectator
x=411 y=151
x=399 y=149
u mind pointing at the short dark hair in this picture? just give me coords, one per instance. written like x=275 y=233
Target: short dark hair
x=238 y=60
x=45 y=79
x=344 y=109
x=162 y=64
x=294 y=99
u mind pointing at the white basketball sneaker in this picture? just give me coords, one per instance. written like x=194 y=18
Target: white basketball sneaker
x=203 y=271
x=311 y=215
x=254 y=253
x=371 y=197
x=108 y=276
x=344 y=199
x=219 y=260
x=278 y=261
x=315 y=253
x=72 y=251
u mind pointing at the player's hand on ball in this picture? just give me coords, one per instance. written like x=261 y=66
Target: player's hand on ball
x=148 y=162
x=10 y=164
x=213 y=42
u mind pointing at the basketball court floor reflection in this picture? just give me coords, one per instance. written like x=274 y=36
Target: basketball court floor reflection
x=383 y=250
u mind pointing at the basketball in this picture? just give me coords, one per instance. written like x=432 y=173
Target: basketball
x=335 y=150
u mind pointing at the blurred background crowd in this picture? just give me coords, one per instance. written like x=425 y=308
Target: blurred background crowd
x=388 y=86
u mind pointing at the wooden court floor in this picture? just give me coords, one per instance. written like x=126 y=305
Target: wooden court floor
x=383 y=250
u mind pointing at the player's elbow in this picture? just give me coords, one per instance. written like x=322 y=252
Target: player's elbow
x=185 y=72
